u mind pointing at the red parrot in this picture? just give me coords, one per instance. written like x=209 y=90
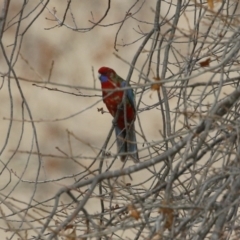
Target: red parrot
x=126 y=137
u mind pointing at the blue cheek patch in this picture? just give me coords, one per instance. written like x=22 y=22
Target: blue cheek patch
x=103 y=78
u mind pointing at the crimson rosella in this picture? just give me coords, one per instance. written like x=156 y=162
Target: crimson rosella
x=123 y=111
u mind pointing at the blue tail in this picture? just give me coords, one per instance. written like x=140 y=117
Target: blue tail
x=126 y=143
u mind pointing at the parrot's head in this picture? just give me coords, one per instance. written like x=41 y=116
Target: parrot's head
x=106 y=74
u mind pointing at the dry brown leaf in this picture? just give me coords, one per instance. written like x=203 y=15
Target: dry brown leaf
x=205 y=63
x=133 y=212
x=156 y=86
x=210 y=4
x=100 y=110
x=72 y=235
x=145 y=50
x=168 y=213
x=69 y=226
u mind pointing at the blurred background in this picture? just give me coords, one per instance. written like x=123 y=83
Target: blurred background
x=66 y=122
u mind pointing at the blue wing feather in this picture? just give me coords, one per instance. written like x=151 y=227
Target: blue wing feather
x=130 y=94
x=131 y=142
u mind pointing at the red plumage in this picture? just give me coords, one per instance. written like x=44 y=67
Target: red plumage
x=113 y=100
x=112 y=92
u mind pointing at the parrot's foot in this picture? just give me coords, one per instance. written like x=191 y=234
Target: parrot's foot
x=123 y=158
x=134 y=158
